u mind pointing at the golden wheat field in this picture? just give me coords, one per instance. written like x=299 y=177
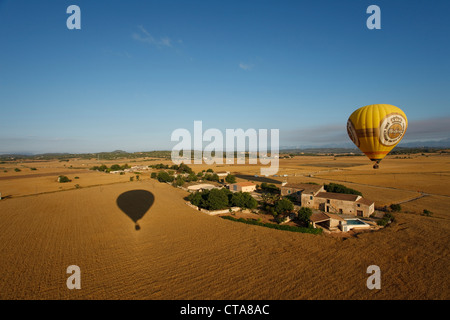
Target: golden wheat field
x=181 y=253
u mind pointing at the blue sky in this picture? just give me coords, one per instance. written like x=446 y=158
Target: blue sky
x=138 y=70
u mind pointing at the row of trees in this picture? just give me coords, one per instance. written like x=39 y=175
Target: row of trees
x=114 y=167
x=217 y=199
x=182 y=168
x=339 y=188
x=269 y=188
x=185 y=174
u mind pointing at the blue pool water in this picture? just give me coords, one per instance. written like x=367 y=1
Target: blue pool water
x=355 y=222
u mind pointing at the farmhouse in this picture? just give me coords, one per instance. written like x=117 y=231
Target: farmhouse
x=343 y=203
x=243 y=187
x=302 y=192
x=315 y=197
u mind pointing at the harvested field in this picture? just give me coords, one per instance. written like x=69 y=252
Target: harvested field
x=180 y=253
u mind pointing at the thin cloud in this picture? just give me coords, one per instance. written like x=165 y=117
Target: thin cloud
x=432 y=129
x=145 y=37
x=245 y=66
x=428 y=129
x=332 y=133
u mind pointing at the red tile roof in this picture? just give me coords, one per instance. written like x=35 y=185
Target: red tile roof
x=319 y=216
x=304 y=187
x=245 y=184
x=337 y=196
x=365 y=201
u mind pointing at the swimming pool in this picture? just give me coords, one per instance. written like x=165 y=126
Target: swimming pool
x=355 y=222
x=352 y=224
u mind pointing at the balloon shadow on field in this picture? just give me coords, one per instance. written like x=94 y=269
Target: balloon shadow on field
x=135 y=204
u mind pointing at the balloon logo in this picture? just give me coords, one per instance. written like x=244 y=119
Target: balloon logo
x=135 y=204
x=376 y=129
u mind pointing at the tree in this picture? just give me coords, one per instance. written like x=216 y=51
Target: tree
x=209 y=170
x=304 y=215
x=265 y=197
x=243 y=200
x=230 y=178
x=217 y=200
x=184 y=168
x=179 y=181
x=196 y=199
x=211 y=177
x=153 y=175
x=283 y=206
x=191 y=177
x=115 y=167
x=163 y=176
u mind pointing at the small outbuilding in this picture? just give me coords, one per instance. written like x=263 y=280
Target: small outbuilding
x=243 y=187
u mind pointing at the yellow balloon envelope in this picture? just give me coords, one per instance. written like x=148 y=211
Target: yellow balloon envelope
x=376 y=129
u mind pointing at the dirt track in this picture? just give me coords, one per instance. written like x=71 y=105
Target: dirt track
x=39 y=175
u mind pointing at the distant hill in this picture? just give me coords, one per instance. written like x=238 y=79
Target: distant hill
x=402 y=148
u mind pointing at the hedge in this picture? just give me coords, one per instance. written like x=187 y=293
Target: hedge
x=275 y=226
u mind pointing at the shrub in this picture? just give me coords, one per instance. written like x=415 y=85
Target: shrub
x=77 y=178
x=153 y=175
x=395 y=207
x=427 y=213
x=63 y=179
x=33 y=169
x=388 y=218
x=17 y=170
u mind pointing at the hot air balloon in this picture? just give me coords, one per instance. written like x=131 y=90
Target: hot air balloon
x=376 y=129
